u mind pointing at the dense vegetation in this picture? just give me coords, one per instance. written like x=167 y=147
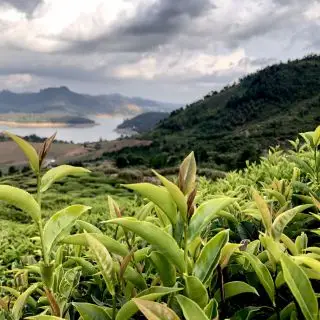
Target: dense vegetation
x=241 y=121
x=243 y=247
x=143 y=122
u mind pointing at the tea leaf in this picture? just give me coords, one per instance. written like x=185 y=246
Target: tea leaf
x=263 y=274
x=27 y=149
x=112 y=245
x=151 y=294
x=90 y=311
x=104 y=261
x=301 y=288
x=44 y=317
x=204 y=214
x=159 y=196
x=190 y=309
x=166 y=270
x=264 y=211
x=176 y=195
x=196 y=291
x=284 y=218
x=22 y=200
x=60 y=223
x=90 y=228
x=114 y=209
x=58 y=173
x=154 y=310
x=21 y=301
x=157 y=237
x=234 y=288
x=210 y=256
x=187 y=174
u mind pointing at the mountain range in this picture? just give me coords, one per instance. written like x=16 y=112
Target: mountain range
x=241 y=121
x=62 y=100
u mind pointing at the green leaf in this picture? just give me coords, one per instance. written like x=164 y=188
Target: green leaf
x=151 y=294
x=264 y=211
x=18 y=306
x=284 y=218
x=44 y=317
x=195 y=290
x=104 y=261
x=190 y=309
x=204 y=214
x=310 y=262
x=114 y=210
x=22 y=200
x=16 y=294
x=157 y=237
x=90 y=228
x=303 y=165
x=58 y=173
x=88 y=268
x=227 y=252
x=166 y=270
x=234 y=288
x=211 y=310
x=290 y=245
x=301 y=288
x=263 y=274
x=90 y=311
x=285 y=313
x=176 y=195
x=316 y=136
x=112 y=245
x=154 y=310
x=247 y=313
x=28 y=150
x=130 y=274
x=61 y=222
x=187 y=174
x=210 y=256
x=159 y=196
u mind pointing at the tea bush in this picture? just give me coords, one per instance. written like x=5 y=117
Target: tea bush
x=242 y=247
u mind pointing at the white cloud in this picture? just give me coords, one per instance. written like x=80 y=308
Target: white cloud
x=17 y=80
x=140 y=46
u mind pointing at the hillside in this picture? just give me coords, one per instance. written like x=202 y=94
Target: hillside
x=143 y=122
x=238 y=123
x=64 y=101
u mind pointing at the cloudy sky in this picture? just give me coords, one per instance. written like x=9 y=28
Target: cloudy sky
x=172 y=50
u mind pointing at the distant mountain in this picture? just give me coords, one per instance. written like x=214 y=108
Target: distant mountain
x=241 y=121
x=143 y=122
x=63 y=101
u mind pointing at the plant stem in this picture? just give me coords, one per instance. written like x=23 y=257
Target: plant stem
x=44 y=254
x=316 y=165
x=221 y=286
x=186 y=245
x=114 y=307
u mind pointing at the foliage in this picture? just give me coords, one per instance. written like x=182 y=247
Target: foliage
x=243 y=247
x=241 y=121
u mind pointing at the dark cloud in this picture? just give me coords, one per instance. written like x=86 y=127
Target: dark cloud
x=27 y=6
x=151 y=27
x=167 y=16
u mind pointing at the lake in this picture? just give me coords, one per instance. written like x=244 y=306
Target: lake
x=104 y=129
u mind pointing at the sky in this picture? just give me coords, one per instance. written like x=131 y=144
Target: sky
x=169 y=50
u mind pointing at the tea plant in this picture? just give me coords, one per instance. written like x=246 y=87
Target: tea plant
x=233 y=250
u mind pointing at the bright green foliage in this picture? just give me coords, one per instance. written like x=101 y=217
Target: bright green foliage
x=243 y=247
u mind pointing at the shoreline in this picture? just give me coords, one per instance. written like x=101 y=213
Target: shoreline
x=16 y=124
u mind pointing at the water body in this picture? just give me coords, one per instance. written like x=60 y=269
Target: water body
x=105 y=129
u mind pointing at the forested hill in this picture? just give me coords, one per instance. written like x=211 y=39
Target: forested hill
x=143 y=122
x=225 y=128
